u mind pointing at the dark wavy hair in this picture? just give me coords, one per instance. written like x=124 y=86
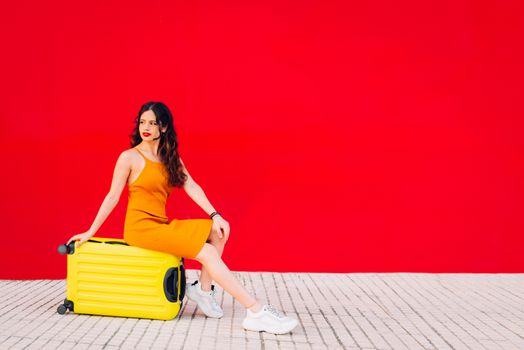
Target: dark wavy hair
x=168 y=147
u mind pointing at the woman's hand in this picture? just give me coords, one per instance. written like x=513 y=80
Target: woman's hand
x=81 y=237
x=221 y=226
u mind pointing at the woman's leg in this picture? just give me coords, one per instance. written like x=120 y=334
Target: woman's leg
x=215 y=267
x=205 y=277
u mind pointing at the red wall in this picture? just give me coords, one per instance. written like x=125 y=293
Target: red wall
x=333 y=136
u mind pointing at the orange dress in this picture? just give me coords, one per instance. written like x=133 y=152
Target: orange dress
x=146 y=224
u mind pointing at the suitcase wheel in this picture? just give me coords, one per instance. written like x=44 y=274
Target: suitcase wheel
x=68 y=304
x=62 y=309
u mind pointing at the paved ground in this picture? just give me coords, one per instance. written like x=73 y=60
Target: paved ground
x=344 y=311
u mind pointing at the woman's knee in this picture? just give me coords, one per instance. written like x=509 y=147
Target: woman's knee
x=219 y=243
x=208 y=252
x=214 y=239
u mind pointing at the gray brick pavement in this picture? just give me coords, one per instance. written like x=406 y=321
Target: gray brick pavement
x=336 y=311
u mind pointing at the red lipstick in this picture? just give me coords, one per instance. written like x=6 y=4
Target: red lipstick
x=146 y=134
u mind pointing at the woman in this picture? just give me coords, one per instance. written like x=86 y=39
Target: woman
x=151 y=168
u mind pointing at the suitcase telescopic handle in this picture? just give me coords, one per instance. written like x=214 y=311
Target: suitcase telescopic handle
x=70 y=248
x=107 y=242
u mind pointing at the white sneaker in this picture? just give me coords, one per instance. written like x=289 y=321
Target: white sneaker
x=205 y=300
x=268 y=319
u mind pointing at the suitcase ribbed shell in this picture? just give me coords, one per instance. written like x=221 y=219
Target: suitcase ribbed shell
x=121 y=280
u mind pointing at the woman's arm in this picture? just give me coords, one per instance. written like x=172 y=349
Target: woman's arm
x=120 y=175
x=196 y=193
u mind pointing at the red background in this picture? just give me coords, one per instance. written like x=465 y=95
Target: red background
x=333 y=136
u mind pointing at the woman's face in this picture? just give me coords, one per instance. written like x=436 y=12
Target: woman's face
x=148 y=127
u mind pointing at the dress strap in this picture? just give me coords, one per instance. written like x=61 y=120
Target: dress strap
x=147 y=159
x=142 y=154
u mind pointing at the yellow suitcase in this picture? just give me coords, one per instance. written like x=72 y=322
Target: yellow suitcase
x=106 y=276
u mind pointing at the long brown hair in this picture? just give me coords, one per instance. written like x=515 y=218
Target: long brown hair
x=168 y=146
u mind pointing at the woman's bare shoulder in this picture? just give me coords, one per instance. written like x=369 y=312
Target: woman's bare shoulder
x=129 y=155
x=129 y=152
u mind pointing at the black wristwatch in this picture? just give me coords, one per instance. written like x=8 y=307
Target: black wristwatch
x=214 y=214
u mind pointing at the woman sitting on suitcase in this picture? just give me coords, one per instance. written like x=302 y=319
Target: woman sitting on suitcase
x=151 y=168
